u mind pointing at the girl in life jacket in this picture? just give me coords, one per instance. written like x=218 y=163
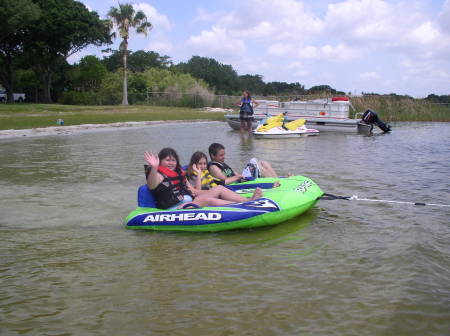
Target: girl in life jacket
x=204 y=180
x=172 y=190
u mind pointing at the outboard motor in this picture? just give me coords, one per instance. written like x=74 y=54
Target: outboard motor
x=371 y=117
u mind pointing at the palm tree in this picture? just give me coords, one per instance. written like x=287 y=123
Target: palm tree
x=123 y=18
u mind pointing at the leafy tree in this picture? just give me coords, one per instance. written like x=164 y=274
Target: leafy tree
x=283 y=88
x=253 y=83
x=444 y=99
x=110 y=88
x=141 y=60
x=220 y=76
x=321 y=89
x=160 y=80
x=125 y=17
x=16 y=17
x=138 y=61
x=65 y=27
x=27 y=82
x=89 y=73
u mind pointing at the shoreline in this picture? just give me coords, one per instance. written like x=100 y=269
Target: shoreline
x=85 y=128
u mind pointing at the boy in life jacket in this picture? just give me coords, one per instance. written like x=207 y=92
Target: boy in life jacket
x=219 y=169
x=172 y=190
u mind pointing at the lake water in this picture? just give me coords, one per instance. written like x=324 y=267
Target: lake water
x=69 y=267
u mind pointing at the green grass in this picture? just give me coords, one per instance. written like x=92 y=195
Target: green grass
x=23 y=116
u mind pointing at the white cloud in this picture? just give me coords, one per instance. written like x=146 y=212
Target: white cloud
x=328 y=52
x=287 y=39
x=380 y=24
x=264 y=21
x=260 y=31
x=160 y=43
x=426 y=33
x=278 y=20
x=444 y=17
x=280 y=49
x=217 y=42
x=205 y=16
x=369 y=75
x=298 y=69
x=158 y=35
x=158 y=20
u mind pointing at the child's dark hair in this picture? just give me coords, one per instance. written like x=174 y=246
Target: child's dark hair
x=214 y=148
x=195 y=158
x=248 y=94
x=165 y=152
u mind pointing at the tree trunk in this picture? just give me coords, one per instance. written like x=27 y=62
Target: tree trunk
x=125 y=79
x=46 y=79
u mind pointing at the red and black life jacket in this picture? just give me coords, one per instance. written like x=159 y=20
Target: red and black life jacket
x=172 y=189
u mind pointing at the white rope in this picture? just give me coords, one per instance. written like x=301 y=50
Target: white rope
x=356 y=198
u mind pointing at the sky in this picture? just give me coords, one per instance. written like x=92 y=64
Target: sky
x=381 y=46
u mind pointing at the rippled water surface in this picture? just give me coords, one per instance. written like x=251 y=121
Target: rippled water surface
x=69 y=267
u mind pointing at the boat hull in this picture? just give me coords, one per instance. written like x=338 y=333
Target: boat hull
x=294 y=196
x=320 y=124
x=278 y=132
x=364 y=128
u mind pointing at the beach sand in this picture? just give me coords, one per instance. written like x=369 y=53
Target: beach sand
x=85 y=128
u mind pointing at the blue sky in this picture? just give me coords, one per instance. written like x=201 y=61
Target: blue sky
x=352 y=45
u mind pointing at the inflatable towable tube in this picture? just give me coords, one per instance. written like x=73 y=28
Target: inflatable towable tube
x=295 y=195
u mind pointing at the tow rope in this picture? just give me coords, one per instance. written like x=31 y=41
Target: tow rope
x=331 y=197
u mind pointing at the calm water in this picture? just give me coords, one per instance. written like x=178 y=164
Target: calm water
x=69 y=267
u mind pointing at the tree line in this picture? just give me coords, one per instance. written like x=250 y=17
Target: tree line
x=38 y=36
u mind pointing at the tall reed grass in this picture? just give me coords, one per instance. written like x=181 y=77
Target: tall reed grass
x=402 y=109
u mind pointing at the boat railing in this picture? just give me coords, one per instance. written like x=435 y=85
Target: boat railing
x=321 y=108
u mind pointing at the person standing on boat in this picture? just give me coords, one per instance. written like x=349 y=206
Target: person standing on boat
x=246 y=111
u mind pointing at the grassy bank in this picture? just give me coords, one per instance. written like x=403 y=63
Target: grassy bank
x=402 y=109
x=23 y=116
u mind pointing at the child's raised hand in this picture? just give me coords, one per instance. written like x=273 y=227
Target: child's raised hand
x=151 y=159
x=196 y=169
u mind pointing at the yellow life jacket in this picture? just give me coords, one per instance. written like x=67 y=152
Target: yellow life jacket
x=208 y=181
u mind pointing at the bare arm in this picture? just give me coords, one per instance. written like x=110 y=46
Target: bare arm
x=195 y=192
x=255 y=103
x=198 y=177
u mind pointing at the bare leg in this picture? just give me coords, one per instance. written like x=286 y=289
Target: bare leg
x=267 y=170
x=249 y=127
x=210 y=201
x=243 y=126
x=257 y=194
x=224 y=194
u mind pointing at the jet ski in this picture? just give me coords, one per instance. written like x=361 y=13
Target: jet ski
x=276 y=127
